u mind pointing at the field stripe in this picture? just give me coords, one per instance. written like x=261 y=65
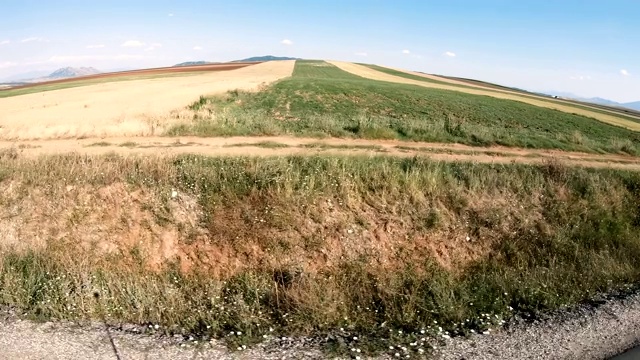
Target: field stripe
x=372 y=74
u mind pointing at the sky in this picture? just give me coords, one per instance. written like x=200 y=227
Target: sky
x=585 y=47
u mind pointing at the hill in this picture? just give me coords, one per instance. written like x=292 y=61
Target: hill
x=632 y=105
x=266 y=58
x=193 y=63
x=297 y=106
x=69 y=72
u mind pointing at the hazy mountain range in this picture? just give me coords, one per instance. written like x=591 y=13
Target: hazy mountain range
x=596 y=100
x=40 y=76
x=251 y=59
x=69 y=72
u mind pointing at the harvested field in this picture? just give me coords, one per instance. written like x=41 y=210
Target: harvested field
x=141 y=72
x=455 y=85
x=131 y=108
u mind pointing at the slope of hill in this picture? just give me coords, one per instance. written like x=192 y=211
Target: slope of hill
x=632 y=105
x=297 y=106
x=68 y=72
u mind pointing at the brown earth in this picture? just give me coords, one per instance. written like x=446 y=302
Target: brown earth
x=126 y=108
x=454 y=85
x=276 y=146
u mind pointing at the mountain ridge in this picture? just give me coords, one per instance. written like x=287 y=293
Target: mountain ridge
x=68 y=72
x=634 y=105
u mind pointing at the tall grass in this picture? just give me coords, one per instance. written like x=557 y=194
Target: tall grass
x=309 y=245
x=321 y=100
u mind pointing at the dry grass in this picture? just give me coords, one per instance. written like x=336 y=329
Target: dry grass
x=131 y=108
x=308 y=245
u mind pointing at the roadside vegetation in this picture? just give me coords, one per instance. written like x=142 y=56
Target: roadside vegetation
x=320 y=100
x=367 y=252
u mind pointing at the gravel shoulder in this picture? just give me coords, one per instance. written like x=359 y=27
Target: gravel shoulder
x=586 y=332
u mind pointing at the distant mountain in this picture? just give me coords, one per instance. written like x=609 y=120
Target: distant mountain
x=601 y=101
x=632 y=105
x=266 y=58
x=69 y=72
x=193 y=63
x=595 y=100
x=23 y=76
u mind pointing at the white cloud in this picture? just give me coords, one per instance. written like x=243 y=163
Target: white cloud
x=197 y=48
x=5 y=42
x=132 y=43
x=450 y=54
x=624 y=72
x=7 y=64
x=361 y=54
x=286 y=42
x=31 y=39
x=98 y=46
x=170 y=14
x=406 y=52
x=153 y=46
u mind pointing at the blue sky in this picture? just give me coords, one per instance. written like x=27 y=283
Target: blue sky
x=590 y=48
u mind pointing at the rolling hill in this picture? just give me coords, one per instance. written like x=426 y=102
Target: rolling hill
x=193 y=63
x=266 y=58
x=69 y=72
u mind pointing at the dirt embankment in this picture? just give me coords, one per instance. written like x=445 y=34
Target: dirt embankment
x=127 y=108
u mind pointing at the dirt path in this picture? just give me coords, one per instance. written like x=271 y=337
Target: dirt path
x=127 y=108
x=271 y=146
x=369 y=73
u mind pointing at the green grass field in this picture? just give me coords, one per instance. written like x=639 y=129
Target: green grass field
x=310 y=245
x=490 y=87
x=320 y=100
